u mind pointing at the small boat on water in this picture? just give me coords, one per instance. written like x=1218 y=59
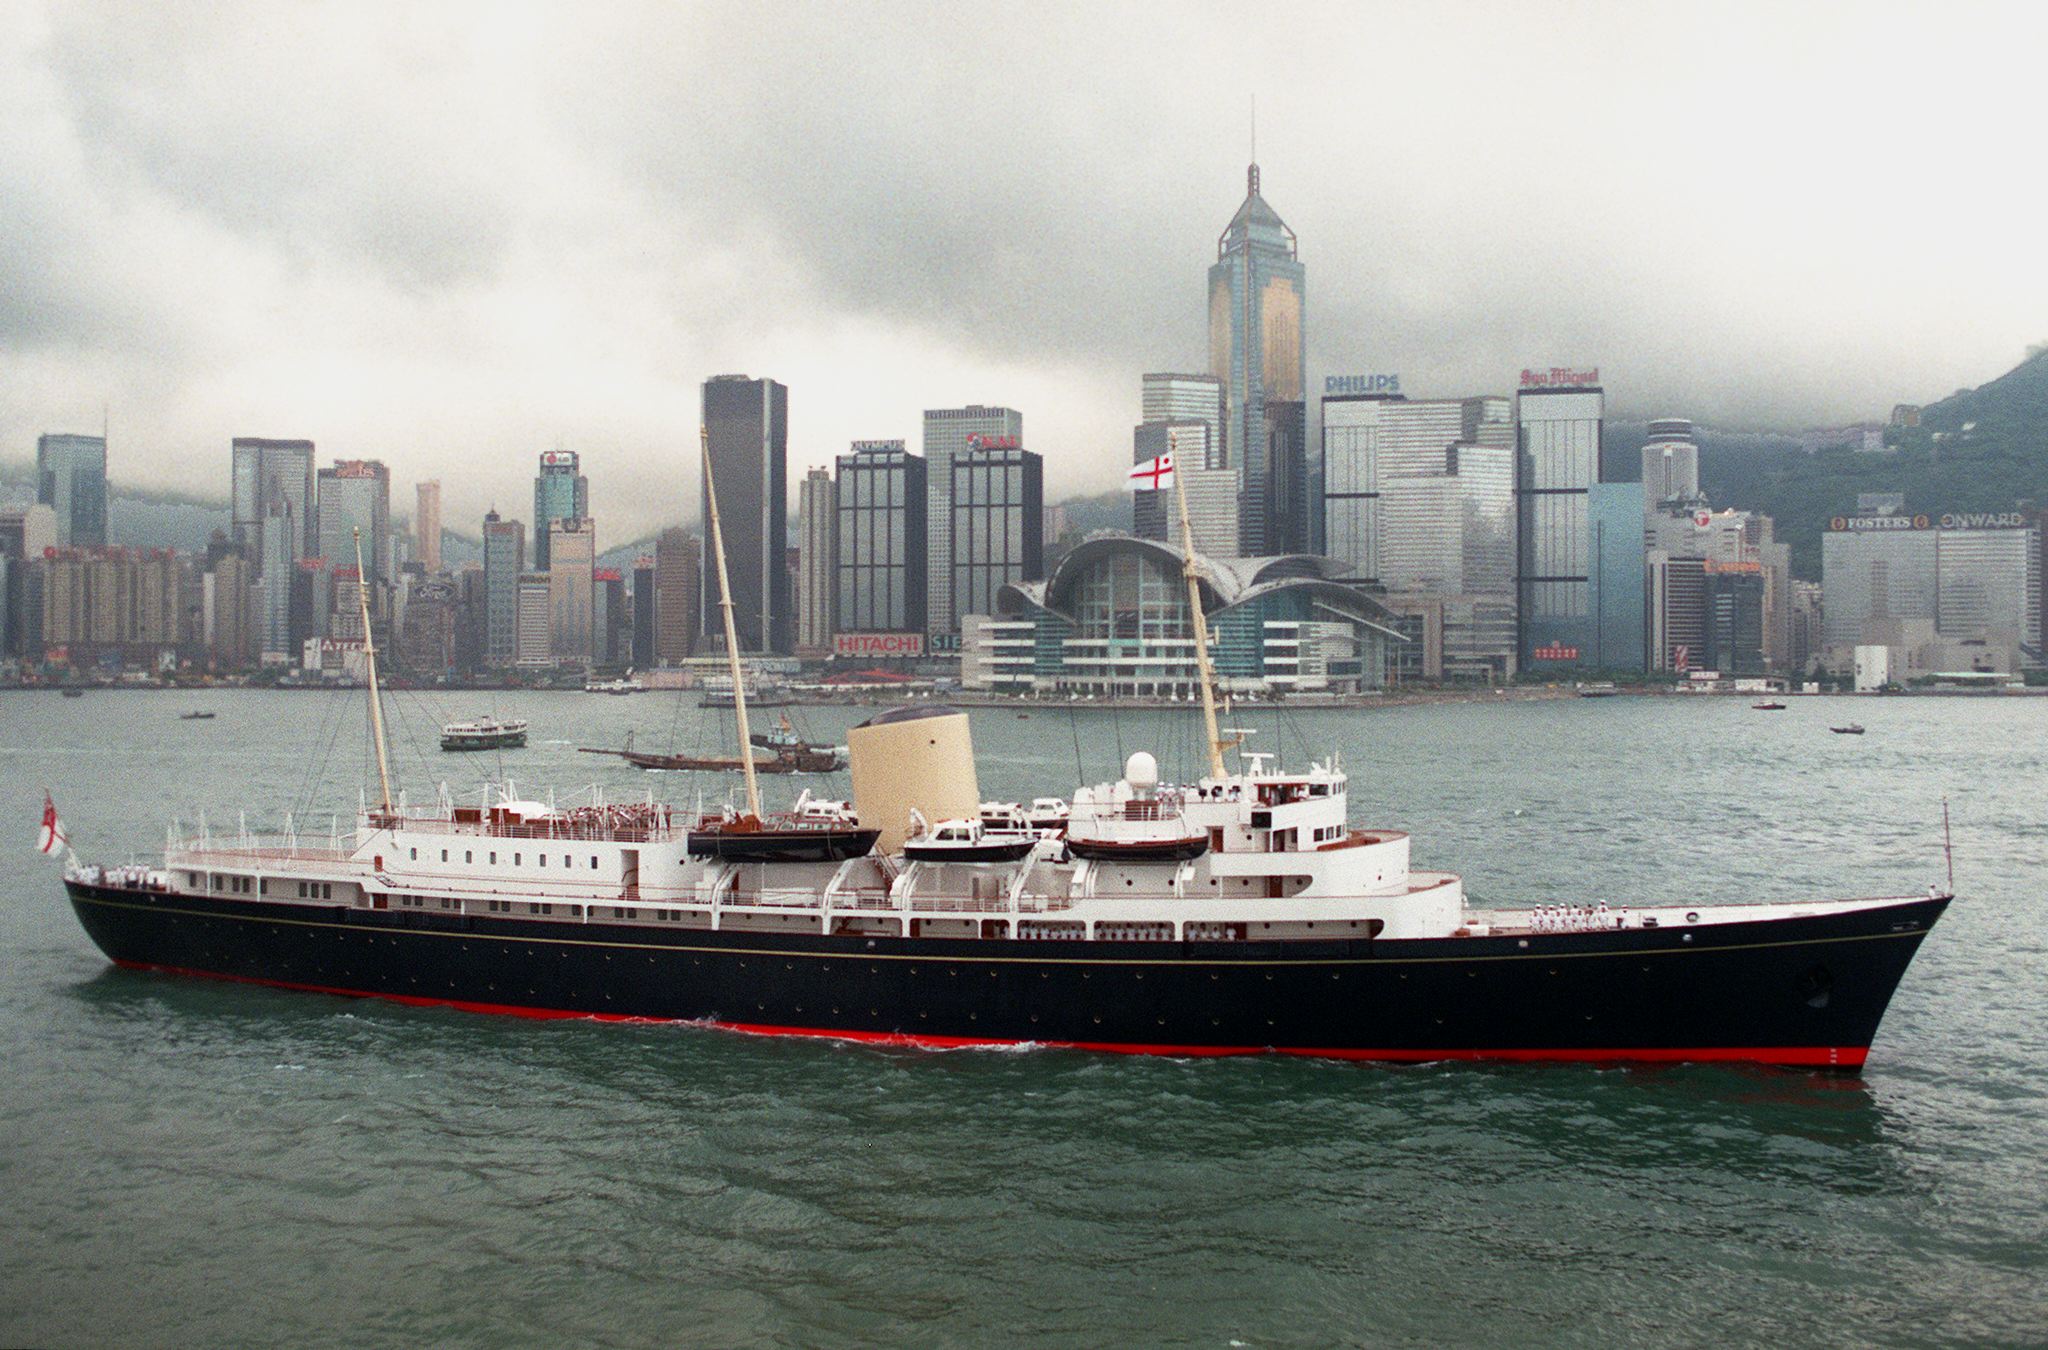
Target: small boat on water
x=485 y=733
x=73 y=691
x=195 y=717
x=620 y=686
x=787 y=759
x=1848 y=729
x=1768 y=705
x=1603 y=689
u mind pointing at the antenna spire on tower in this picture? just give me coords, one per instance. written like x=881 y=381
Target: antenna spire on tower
x=1251 y=177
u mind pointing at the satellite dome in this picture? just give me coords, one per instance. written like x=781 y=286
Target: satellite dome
x=1141 y=771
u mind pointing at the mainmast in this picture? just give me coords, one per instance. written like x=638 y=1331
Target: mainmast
x=732 y=645
x=370 y=658
x=1193 y=573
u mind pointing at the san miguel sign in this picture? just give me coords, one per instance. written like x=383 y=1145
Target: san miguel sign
x=1561 y=377
x=870 y=645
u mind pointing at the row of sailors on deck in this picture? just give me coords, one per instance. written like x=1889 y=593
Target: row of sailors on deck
x=1578 y=918
x=132 y=877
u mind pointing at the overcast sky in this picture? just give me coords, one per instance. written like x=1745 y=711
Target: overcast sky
x=452 y=236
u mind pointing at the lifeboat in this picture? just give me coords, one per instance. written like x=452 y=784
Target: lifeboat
x=1137 y=822
x=968 y=841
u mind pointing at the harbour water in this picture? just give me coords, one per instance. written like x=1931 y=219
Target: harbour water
x=186 y=1163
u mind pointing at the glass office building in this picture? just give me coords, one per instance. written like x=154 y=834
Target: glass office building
x=1557 y=464
x=998 y=524
x=748 y=423
x=71 y=479
x=948 y=432
x=1257 y=297
x=882 y=572
x=560 y=492
x=504 y=563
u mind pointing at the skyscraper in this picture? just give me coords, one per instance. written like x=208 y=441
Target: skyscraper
x=572 y=564
x=267 y=470
x=1558 y=416
x=882 y=580
x=1212 y=492
x=998 y=528
x=504 y=563
x=560 y=492
x=947 y=432
x=817 y=551
x=748 y=422
x=426 y=524
x=1286 y=496
x=71 y=479
x=356 y=495
x=1422 y=503
x=1257 y=298
x=277 y=571
x=643 y=612
x=678 y=590
x=1167 y=397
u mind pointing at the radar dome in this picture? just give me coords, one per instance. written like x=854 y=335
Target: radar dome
x=1141 y=771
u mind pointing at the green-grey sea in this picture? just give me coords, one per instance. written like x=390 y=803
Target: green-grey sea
x=184 y=1163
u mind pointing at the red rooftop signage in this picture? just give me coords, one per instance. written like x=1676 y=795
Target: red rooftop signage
x=1561 y=377
x=878 y=644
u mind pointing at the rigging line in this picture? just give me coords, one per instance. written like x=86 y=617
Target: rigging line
x=322 y=748
x=1074 y=725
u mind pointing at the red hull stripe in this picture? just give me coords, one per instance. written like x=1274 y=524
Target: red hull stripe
x=1802 y=1056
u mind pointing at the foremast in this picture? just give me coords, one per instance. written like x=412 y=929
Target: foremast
x=370 y=660
x=1192 y=571
x=732 y=645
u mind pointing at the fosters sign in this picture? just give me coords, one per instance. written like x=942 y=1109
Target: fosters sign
x=1948 y=520
x=870 y=645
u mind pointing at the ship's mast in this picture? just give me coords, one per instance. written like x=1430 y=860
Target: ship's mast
x=732 y=644
x=370 y=658
x=1193 y=573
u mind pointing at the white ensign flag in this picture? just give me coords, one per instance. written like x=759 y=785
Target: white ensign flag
x=1151 y=475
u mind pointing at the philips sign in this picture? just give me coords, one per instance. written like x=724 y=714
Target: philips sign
x=1361 y=384
x=558 y=459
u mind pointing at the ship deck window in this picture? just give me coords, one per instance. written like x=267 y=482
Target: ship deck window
x=415 y=855
x=494 y=857
x=593 y=862
x=467 y=856
x=515 y=859
x=444 y=855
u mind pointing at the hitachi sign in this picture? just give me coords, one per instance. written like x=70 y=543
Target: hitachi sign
x=878 y=644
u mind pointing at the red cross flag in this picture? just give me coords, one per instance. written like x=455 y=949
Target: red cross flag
x=1152 y=475
x=51 y=837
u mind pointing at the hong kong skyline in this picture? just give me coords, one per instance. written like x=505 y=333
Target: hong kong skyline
x=456 y=236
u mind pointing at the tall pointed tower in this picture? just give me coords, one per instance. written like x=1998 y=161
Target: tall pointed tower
x=1257 y=292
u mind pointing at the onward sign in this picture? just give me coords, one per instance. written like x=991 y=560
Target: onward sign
x=1361 y=384
x=1984 y=520
x=1561 y=377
